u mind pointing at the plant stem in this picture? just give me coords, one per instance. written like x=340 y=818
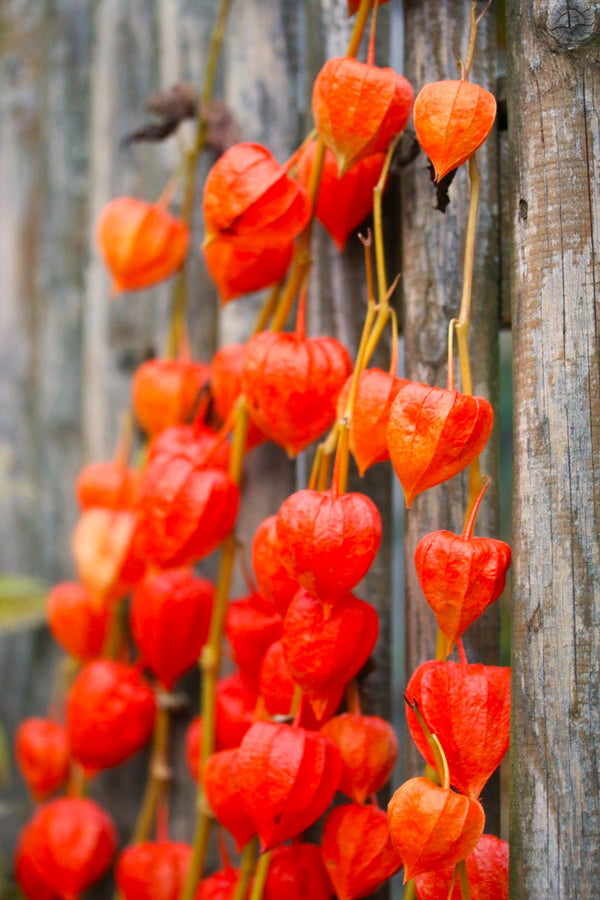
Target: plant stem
x=260 y=876
x=410 y=891
x=463 y=880
x=248 y=862
x=462 y=325
x=159 y=773
x=178 y=314
x=359 y=27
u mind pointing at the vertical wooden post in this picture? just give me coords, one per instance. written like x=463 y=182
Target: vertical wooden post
x=553 y=104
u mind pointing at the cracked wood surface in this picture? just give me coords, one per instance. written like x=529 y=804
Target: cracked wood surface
x=554 y=128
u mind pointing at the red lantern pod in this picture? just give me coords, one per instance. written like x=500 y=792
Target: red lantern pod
x=193 y=744
x=468 y=708
x=432 y=827
x=224 y=797
x=368 y=747
x=42 y=754
x=140 y=242
x=110 y=714
x=153 y=870
x=235 y=711
x=460 y=577
x=170 y=617
x=342 y=203
x=77 y=620
x=111 y=485
x=251 y=631
x=274 y=581
x=287 y=777
x=358 y=108
x=29 y=875
x=185 y=510
x=357 y=850
x=167 y=392
x=433 y=434
x=106 y=556
x=487 y=872
x=324 y=653
x=297 y=873
x=240 y=266
x=226 y=387
x=202 y=445
x=328 y=541
x=219 y=886
x=248 y=195
x=291 y=385
x=376 y=392
x=276 y=683
x=452 y=119
x=71 y=842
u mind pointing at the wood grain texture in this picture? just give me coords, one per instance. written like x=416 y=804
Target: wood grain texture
x=432 y=259
x=554 y=98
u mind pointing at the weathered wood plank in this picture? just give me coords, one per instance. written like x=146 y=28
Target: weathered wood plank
x=554 y=99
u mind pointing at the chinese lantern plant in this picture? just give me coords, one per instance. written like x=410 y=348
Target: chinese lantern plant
x=152 y=870
x=141 y=243
x=167 y=392
x=42 y=754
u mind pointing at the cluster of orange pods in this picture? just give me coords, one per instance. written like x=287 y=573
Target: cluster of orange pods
x=298 y=639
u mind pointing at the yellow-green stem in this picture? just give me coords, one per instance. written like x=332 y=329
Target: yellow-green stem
x=248 y=862
x=410 y=890
x=359 y=27
x=199 y=851
x=159 y=775
x=268 y=308
x=466 y=66
x=463 y=880
x=260 y=876
x=190 y=165
x=382 y=290
x=462 y=325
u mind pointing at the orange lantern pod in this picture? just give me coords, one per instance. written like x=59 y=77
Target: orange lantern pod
x=297 y=873
x=358 y=108
x=357 y=850
x=342 y=203
x=274 y=581
x=432 y=826
x=368 y=746
x=78 y=622
x=141 y=243
x=42 y=754
x=185 y=510
x=235 y=705
x=241 y=266
x=287 y=778
x=167 y=392
x=28 y=872
x=487 y=872
x=328 y=541
x=452 y=119
x=434 y=433
x=324 y=652
x=69 y=844
x=251 y=629
x=226 y=386
x=224 y=798
x=193 y=745
x=375 y=394
x=474 y=744
x=218 y=886
x=108 y=484
x=110 y=714
x=170 y=617
x=105 y=555
x=249 y=195
x=198 y=442
x=291 y=384
x=153 y=870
